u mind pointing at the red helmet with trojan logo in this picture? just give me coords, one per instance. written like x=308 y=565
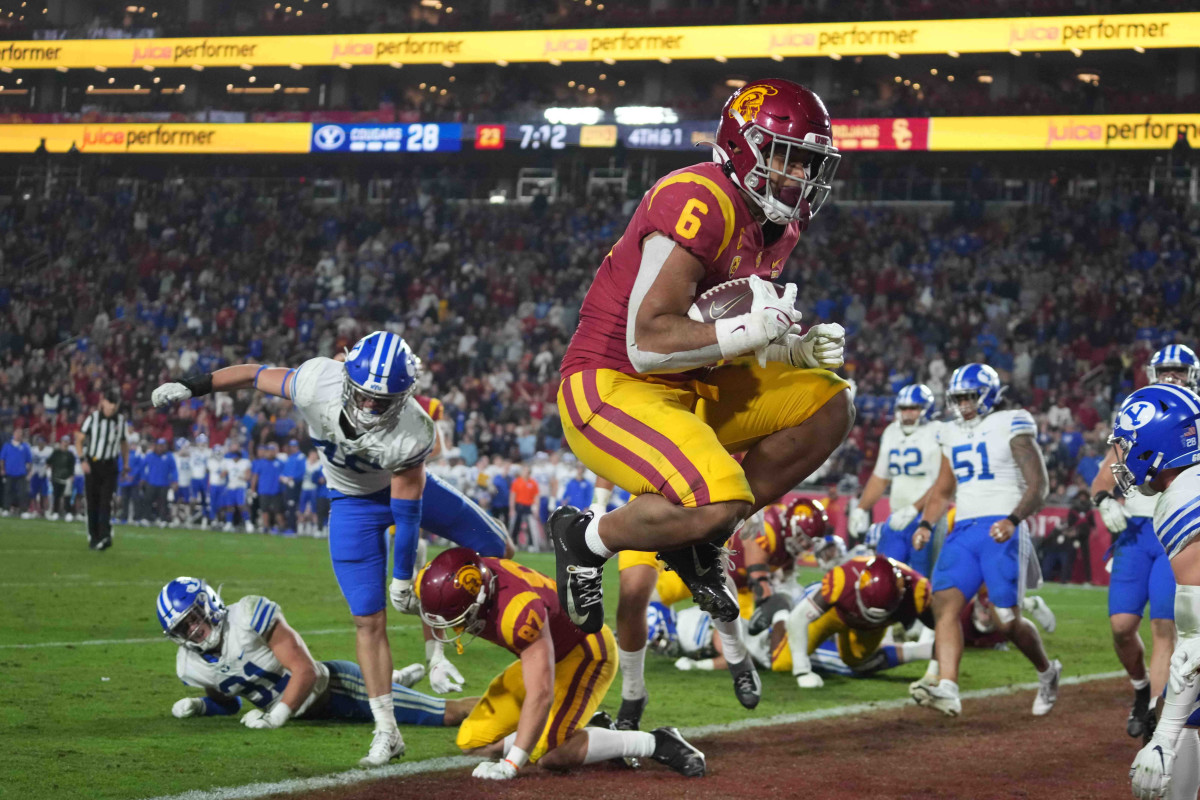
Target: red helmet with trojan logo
x=453 y=589
x=804 y=523
x=767 y=128
x=878 y=592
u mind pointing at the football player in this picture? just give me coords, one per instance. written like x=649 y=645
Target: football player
x=248 y=650
x=1157 y=454
x=992 y=465
x=198 y=468
x=39 y=475
x=533 y=710
x=909 y=460
x=643 y=401
x=373 y=438
x=1141 y=571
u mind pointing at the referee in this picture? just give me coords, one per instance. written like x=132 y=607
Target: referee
x=107 y=437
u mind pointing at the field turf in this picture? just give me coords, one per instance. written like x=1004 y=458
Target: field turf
x=88 y=680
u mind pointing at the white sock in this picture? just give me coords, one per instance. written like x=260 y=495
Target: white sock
x=732 y=645
x=1045 y=677
x=604 y=745
x=592 y=537
x=600 y=498
x=633 y=673
x=1139 y=685
x=381 y=709
x=1185 y=777
x=916 y=651
x=931 y=671
x=948 y=686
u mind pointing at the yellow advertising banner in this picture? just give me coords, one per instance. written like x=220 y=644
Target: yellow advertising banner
x=1098 y=132
x=1031 y=34
x=137 y=137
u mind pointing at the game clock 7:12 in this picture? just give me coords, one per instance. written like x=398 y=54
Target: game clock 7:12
x=534 y=137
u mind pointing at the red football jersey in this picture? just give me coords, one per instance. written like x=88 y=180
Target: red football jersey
x=770 y=541
x=525 y=604
x=837 y=589
x=431 y=405
x=703 y=212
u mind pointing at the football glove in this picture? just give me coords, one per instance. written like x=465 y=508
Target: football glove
x=404 y=599
x=1113 y=514
x=763 y=616
x=495 y=770
x=1151 y=771
x=260 y=720
x=902 y=517
x=188 y=707
x=169 y=393
x=859 y=522
x=771 y=316
x=809 y=680
x=1185 y=663
x=821 y=347
x=444 y=677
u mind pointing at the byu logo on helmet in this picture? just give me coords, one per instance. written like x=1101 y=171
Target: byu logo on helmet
x=1137 y=414
x=329 y=137
x=381 y=375
x=1155 y=430
x=977 y=382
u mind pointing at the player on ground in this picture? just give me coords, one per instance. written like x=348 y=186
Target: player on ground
x=642 y=401
x=247 y=650
x=1141 y=571
x=1157 y=452
x=909 y=459
x=373 y=439
x=533 y=711
x=992 y=466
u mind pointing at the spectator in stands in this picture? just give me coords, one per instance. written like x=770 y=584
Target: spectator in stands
x=578 y=491
x=159 y=478
x=521 y=508
x=266 y=482
x=1058 y=553
x=62 y=472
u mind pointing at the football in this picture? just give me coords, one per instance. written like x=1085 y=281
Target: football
x=727 y=299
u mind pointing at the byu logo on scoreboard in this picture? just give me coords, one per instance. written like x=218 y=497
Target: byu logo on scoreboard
x=329 y=137
x=1137 y=415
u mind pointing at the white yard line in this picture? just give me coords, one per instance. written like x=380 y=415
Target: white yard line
x=351 y=777
x=347 y=629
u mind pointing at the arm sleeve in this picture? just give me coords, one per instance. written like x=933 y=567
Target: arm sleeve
x=406 y=514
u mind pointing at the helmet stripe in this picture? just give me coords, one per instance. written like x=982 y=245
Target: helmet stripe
x=387 y=362
x=1185 y=396
x=377 y=342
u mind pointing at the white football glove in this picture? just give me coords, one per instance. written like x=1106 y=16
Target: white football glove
x=410 y=676
x=770 y=315
x=1151 y=771
x=684 y=663
x=444 y=677
x=859 y=521
x=404 y=599
x=1185 y=663
x=188 y=707
x=169 y=393
x=821 y=347
x=902 y=517
x=257 y=720
x=809 y=680
x=495 y=771
x=1113 y=515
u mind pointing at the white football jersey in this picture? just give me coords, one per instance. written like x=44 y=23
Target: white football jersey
x=990 y=483
x=235 y=472
x=1177 y=512
x=244 y=665
x=910 y=461
x=183 y=466
x=216 y=471
x=695 y=630
x=40 y=456
x=198 y=462
x=363 y=465
x=542 y=474
x=311 y=471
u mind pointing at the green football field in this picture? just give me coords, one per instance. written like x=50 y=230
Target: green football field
x=88 y=680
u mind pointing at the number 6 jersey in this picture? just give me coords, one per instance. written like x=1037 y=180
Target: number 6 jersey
x=990 y=483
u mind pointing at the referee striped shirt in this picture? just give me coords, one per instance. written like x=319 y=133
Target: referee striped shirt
x=104 y=435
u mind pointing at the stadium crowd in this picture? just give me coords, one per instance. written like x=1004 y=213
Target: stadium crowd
x=133 y=288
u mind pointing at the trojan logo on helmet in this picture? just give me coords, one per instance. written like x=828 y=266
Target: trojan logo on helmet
x=748 y=103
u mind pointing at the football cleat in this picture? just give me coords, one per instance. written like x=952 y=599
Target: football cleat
x=409 y=676
x=1047 y=691
x=629 y=715
x=746 y=683
x=702 y=569
x=935 y=697
x=1149 y=725
x=579 y=571
x=1042 y=614
x=672 y=749
x=1135 y=725
x=385 y=745
x=602 y=719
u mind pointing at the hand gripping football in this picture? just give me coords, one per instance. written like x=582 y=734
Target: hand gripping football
x=729 y=299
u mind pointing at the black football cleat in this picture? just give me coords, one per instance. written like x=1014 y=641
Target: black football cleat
x=746 y=683
x=629 y=715
x=579 y=571
x=602 y=719
x=1151 y=722
x=672 y=749
x=1135 y=725
x=702 y=569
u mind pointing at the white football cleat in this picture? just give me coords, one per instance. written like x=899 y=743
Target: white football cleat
x=935 y=696
x=1047 y=691
x=409 y=676
x=1039 y=609
x=386 y=745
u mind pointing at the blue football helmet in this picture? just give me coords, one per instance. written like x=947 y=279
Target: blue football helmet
x=979 y=382
x=201 y=439
x=660 y=629
x=183 y=602
x=381 y=374
x=916 y=395
x=181 y=443
x=1175 y=357
x=1155 y=430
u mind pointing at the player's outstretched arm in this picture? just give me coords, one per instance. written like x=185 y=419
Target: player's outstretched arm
x=537 y=672
x=1037 y=485
x=293 y=654
x=937 y=500
x=269 y=380
x=805 y=613
x=213 y=704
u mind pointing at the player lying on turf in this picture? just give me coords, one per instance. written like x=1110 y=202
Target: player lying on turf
x=247 y=650
x=534 y=710
x=1156 y=453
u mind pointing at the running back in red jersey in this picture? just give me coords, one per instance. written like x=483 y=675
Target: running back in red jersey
x=727 y=299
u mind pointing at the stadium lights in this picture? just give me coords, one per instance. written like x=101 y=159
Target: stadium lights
x=6 y=70
x=346 y=65
x=148 y=67
x=586 y=115
x=501 y=63
x=1014 y=51
x=395 y=64
x=952 y=53
x=1089 y=77
x=665 y=59
x=620 y=83
x=984 y=78
x=556 y=62
x=101 y=68
x=157 y=79
x=1076 y=51
x=933 y=71
x=718 y=59
x=294 y=65
x=735 y=83
x=645 y=115
x=497 y=198
x=1137 y=48
x=247 y=67
x=111 y=81
x=836 y=56
x=448 y=64
x=198 y=67
x=950 y=78
x=776 y=57
x=609 y=60
x=893 y=54
x=61 y=69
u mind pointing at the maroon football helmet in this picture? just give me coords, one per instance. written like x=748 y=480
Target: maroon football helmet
x=766 y=128
x=453 y=589
x=804 y=523
x=879 y=590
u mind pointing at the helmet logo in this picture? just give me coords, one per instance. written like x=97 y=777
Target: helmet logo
x=1137 y=415
x=748 y=103
x=469 y=577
